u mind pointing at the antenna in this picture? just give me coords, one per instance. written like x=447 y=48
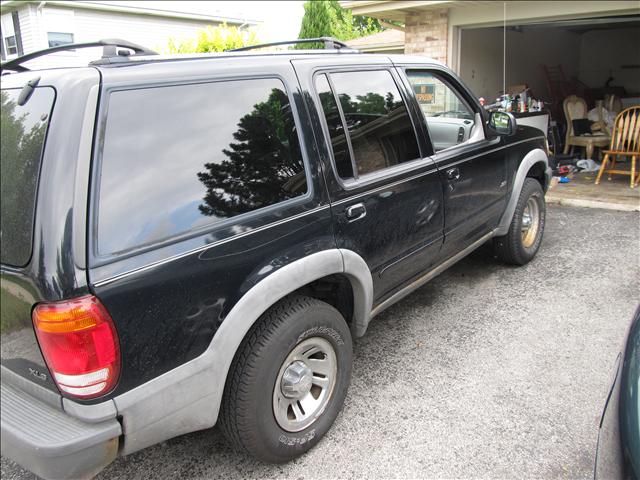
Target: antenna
x=504 y=48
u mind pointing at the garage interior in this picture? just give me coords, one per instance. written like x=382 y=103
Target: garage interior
x=592 y=58
x=598 y=56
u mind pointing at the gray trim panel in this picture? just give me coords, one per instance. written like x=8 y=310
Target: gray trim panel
x=188 y=397
x=530 y=159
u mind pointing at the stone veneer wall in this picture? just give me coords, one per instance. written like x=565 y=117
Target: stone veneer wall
x=426 y=34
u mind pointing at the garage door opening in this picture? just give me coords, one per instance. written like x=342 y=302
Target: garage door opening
x=598 y=57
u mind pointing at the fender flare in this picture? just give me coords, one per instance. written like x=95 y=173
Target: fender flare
x=536 y=155
x=188 y=397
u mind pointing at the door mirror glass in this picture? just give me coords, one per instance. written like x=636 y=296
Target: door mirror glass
x=502 y=123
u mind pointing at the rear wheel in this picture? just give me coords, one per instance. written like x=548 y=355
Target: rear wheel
x=288 y=380
x=522 y=241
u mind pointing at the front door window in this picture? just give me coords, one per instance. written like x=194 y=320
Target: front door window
x=451 y=122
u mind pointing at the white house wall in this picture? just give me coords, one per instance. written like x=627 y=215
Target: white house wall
x=28 y=28
x=90 y=25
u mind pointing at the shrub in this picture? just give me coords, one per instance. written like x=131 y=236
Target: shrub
x=213 y=39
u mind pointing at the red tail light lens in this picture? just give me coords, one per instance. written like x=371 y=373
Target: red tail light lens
x=79 y=344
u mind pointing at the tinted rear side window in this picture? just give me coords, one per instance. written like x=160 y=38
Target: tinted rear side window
x=179 y=158
x=23 y=131
x=377 y=120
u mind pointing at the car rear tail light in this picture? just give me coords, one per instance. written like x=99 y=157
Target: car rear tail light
x=80 y=345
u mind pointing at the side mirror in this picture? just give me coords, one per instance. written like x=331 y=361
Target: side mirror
x=503 y=123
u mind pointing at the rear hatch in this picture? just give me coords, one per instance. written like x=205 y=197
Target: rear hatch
x=23 y=135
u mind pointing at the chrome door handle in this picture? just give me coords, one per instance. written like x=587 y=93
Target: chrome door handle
x=453 y=174
x=356 y=212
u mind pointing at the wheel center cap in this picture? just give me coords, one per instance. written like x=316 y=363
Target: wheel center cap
x=296 y=380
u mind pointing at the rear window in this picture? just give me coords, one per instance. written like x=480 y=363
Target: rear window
x=179 y=158
x=22 y=134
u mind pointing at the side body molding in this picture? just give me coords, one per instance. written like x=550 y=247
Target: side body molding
x=188 y=397
x=530 y=159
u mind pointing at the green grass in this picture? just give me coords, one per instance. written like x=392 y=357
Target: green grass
x=12 y=312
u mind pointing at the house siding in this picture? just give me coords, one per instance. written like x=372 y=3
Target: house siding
x=26 y=16
x=150 y=31
x=91 y=25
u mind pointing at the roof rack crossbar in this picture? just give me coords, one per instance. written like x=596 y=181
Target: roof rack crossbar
x=330 y=43
x=110 y=49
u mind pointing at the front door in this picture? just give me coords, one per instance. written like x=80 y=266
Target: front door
x=385 y=190
x=472 y=166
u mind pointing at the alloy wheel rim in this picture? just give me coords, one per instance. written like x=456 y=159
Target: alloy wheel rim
x=530 y=222
x=304 y=384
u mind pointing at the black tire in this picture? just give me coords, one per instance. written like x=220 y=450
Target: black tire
x=247 y=416
x=511 y=247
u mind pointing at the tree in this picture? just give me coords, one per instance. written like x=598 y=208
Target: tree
x=213 y=39
x=325 y=18
x=263 y=165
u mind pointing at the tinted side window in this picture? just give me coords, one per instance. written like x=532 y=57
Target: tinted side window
x=336 y=128
x=377 y=120
x=181 y=157
x=22 y=134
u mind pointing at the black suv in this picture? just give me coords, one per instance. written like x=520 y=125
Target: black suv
x=192 y=240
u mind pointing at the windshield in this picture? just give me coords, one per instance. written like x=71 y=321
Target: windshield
x=22 y=139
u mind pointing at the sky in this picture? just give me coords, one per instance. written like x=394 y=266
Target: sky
x=281 y=19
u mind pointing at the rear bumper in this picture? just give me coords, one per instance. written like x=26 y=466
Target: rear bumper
x=51 y=443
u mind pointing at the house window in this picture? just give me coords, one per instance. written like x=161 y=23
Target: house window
x=12 y=47
x=59 y=38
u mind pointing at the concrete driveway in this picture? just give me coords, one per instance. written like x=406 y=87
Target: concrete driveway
x=487 y=371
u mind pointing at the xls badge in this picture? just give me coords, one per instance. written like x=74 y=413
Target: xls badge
x=37 y=374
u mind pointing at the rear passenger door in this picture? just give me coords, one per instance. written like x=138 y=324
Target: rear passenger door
x=386 y=195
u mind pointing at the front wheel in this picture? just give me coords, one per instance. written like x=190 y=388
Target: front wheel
x=288 y=380
x=522 y=241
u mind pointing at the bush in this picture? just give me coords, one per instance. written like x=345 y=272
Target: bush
x=213 y=39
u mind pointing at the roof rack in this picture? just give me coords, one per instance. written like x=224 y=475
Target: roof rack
x=330 y=43
x=109 y=55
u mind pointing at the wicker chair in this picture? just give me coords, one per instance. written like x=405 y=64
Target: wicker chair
x=625 y=141
x=576 y=108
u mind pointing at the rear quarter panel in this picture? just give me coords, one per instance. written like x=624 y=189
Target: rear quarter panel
x=168 y=301
x=57 y=268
